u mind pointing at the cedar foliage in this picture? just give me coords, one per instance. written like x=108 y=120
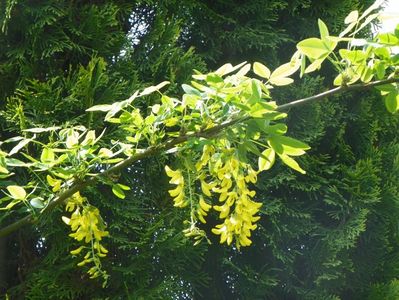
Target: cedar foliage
x=331 y=234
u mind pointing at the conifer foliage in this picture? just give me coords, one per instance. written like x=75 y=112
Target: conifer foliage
x=331 y=234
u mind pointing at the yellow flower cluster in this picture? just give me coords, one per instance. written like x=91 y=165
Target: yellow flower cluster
x=229 y=178
x=87 y=225
x=178 y=195
x=221 y=174
x=75 y=201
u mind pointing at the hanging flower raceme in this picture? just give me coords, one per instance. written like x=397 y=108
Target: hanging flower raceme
x=224 y=179
x=236 y=205
x=176 y=178
x=88 y=227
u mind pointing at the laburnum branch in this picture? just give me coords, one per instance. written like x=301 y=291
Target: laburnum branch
x=154 y=150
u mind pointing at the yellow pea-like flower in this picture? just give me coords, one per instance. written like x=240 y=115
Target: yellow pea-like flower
x=77 y=251
x=241 y=182
x=205 y=206
x=224 y=210
x=244 y=241
x=206 y=188
x=79 y=235
x=229 y=238
x=179 y=201
x=223 y=196
x=207 y=152
x=176 y=176
x=252 y=175
x=177 y=179
x=201 y=218
x=176 y=191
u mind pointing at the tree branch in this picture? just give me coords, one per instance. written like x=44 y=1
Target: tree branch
x=337 y=90
x=154 y=150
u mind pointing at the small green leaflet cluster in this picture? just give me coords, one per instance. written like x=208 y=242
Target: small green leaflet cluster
x=362 y=60
x=69 y=156
x=224 y=130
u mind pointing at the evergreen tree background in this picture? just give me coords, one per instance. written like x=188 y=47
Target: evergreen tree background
x=331 y=234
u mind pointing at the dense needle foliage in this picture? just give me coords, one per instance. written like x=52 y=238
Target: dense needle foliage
x=331 y=234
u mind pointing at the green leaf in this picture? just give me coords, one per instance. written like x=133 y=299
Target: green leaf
x=287 y=145
x=167 y=101
x=257 y=111
x=285 y=70
x=380 y=69
x=279 y=129
x=387 y=88
x=72 y=139
x=392 y=102
x=244 y=70
x=278 y=147
x=111 y=160
x=151 y=89
x=382 y=53
x=51 y=181
x=281 y=81
x=40 y=130
x=101 y=107
x=4 y=170
x=3 y=165
x=366 y=22
x=367 y=74
x=316 y=64
x=352 y=17
x=291 y=142
x=291 y=163
x=347 y=29
x=251 y=147
x=313 y=48
x=89 y=138
x=224 y=70
x=261 y=70
x=256 y=91
x=388 y=39
x=13 y=162
x=47 y=155
x=323 y=29
x=105 y=153
x=375 y=5
x=118 y=192
x=338 y=80
x=13 y=139
x=37 y=203
x=188 y=89
x=268 y=159
x=213 y=78
x=303 y=65
x=11 y=204
x=354 y=56
x=116 y=107
x=19 y=146
x=16 y=192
